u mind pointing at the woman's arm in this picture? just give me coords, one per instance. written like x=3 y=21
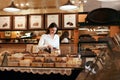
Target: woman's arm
x=41 y=43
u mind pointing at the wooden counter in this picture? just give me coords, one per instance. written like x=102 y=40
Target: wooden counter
x=49 y=72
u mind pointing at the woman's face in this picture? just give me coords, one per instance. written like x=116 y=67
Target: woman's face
x=53 y=30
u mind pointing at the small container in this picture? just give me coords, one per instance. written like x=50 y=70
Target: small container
x=13 y=63
x=36 y=64
x=60 y=64
x=48 y=64
x=25 y=62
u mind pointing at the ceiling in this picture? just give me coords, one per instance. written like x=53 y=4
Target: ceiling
x=53 y=5
x=93 y=4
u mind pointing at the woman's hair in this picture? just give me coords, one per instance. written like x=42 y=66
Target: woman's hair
x=64 y=35
x=52 y=25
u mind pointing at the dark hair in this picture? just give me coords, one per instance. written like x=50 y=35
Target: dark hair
x=64 y=35
x=52 y=25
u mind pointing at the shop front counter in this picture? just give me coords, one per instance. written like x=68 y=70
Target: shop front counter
x=25 y=66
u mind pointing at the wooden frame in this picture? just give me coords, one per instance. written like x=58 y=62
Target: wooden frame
x=20 y=22
x=5 y=22
x=36 y=21
x=69 y=20
x=52 y=17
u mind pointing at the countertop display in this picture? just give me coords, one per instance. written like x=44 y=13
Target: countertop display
x=41 y=63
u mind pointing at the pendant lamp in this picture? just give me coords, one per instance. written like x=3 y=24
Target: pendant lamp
x=68 y=6
x=11 y=8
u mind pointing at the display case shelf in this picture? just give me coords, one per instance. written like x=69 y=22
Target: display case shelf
x=18 y=41
x=94 y=46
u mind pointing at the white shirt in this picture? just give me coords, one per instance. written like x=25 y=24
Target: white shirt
x=46 y=40
x=65 y=40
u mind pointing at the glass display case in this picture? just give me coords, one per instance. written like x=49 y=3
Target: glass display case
x=41 y=63
x=90 y=50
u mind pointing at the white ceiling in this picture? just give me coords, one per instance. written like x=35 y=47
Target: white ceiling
x=53 y=5
x=93 y=4
x=114 y=5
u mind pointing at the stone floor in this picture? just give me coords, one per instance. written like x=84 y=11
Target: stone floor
x=111 y=70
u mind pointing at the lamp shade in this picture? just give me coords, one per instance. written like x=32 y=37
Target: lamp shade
x=11 y=8
x=68 y=6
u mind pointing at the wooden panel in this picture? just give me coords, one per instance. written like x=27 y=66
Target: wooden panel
x=67 y=49
x=81 y=17
x=113 y=30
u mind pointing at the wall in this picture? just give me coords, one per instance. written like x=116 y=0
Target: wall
x=21 y=47
x=75 y=36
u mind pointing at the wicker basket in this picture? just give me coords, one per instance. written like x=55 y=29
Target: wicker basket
x=36 y=64
x=48 y=64
x=58 y=64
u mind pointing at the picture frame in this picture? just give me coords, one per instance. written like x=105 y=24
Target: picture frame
x=36 y=21
x=20 y=22
x=5 y=22
x=53 y=18
x=69 y=20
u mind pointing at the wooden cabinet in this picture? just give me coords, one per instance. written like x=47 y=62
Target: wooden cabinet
x=92 y=45
x=97 y=52
x=82 y=17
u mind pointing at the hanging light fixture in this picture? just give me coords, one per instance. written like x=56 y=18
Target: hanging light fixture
x=68 y=6
x=11 y=7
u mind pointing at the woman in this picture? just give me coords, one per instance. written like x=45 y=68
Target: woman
x=50 y=40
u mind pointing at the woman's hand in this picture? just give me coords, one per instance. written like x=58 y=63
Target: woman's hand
x=51 y=47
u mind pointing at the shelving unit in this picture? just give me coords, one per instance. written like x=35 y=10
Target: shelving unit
x=18 y=40
x=90 y=50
